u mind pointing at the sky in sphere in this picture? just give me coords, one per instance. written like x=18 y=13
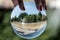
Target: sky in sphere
x=30 y=8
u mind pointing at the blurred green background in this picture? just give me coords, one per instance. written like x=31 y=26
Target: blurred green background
x=52 y=31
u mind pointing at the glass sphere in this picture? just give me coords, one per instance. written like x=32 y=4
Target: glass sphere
x=30 y=23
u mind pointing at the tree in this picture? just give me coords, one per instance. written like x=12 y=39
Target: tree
x=30 y=18
x=33 y=17
x=27 y=19
x=22 y=15
x=18 y=19
x=40 y=16
x=44 y=18
x=14 y=19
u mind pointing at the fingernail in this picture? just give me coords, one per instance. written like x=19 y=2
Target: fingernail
x=21 y=5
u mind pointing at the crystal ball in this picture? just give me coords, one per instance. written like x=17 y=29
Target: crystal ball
x=30 y=23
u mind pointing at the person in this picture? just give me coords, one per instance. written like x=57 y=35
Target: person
x=39 y=4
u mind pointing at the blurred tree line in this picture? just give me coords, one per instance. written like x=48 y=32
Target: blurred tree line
x=29 y=18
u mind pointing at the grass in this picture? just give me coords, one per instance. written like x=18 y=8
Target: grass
x=6 y=31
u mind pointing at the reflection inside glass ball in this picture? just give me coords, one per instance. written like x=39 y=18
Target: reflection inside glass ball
x=29 y=23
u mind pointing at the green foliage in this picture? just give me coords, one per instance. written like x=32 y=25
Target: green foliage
x=33 y=18
x=39 y=18
x=22 y=15
x=44 y=18
x=29 y=18
x=40 y=14
x=14 y=19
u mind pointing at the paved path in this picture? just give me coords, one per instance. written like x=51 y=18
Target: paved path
x=28 y=27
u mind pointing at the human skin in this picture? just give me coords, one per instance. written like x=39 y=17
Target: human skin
x=39 y=4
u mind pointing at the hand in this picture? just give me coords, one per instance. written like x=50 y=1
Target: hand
x=20 y=2
x=39 y=4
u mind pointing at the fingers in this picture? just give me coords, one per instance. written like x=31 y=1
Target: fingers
x=40 y=4
x=21 y=5
x=43 y=2
x=15 y=2
x=20 y=2
x=37 y=2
